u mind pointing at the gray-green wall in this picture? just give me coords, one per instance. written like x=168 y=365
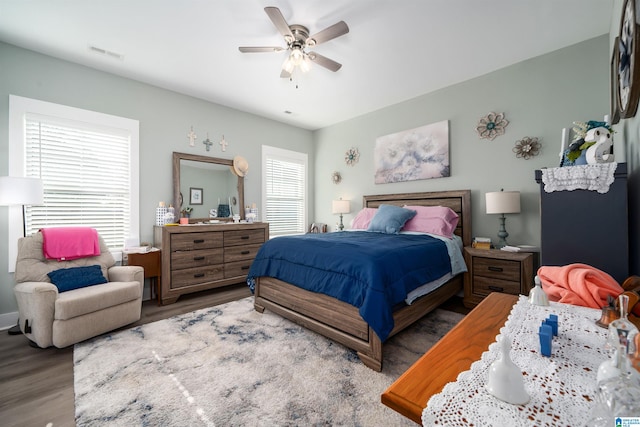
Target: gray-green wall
x=165 y=119
x=628 y=130
x=539 y=97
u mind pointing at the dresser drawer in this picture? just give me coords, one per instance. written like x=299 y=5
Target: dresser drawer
x=196 y=258
x=196 y=275
x=239 y=253
x=243 y=237
x=236 y=269
x=484 y=286
x=496 y=268
x=191 y=241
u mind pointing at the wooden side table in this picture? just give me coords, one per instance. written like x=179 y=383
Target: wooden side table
x=494 y=270
x=152 y=264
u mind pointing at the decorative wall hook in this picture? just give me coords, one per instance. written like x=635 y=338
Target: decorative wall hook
x=192 y=137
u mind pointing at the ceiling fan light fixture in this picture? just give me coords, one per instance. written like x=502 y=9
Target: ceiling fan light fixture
x=297 y=39
x=288 y=65
x=305 y=65
x=297 y=56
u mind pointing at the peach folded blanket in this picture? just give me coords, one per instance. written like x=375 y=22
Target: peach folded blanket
x=578 y=284
x=67 y=243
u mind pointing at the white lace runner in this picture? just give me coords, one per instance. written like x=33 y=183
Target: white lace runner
x=562 y=387
x=596 y=177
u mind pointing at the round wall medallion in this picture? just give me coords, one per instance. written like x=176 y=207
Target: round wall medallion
x=336 y=177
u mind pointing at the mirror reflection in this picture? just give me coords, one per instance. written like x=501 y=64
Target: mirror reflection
x=208 y=186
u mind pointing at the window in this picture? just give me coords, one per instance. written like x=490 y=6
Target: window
x=88 y=162
x=284 y=190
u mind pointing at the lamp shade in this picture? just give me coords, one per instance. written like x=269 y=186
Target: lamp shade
x=340 y=206
x=503 y=202
x=20 y=191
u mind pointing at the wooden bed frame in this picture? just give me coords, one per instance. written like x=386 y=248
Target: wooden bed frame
x=341 y=321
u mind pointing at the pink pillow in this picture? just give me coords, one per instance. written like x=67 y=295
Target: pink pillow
x=438 y=220
x=363 y=218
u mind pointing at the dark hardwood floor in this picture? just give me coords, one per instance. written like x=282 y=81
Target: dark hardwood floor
x=37 y=384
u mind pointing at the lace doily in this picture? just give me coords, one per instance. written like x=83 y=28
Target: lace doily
x=562 y=387
x=596 y=177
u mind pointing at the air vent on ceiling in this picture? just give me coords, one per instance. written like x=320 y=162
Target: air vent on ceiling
x=105 y=52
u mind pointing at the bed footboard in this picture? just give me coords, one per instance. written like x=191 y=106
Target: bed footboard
x=340 y=321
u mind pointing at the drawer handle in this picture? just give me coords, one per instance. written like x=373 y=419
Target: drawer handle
x=244 y=237
x=245 y=267
x=495 y=268
x=198 y=258
x=496 y=288
x=245 y=252
x=198 y=241
x=198 y=275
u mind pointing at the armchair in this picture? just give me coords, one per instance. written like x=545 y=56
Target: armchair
x=50 y=317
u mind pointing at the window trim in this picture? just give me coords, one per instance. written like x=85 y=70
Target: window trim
x=18 y=108
x=269 y=151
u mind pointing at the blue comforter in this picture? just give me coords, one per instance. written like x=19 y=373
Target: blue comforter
x=371 y=271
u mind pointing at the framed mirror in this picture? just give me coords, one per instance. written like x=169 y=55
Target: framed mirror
x=204 y=183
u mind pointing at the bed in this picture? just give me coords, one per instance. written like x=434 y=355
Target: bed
x=342 y=321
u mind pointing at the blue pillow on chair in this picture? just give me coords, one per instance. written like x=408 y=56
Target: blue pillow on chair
x=67 y=279
x=390 y=219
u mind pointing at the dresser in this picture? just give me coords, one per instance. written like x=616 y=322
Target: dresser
x=494 y=270
x=207 y=256
x=584 y=226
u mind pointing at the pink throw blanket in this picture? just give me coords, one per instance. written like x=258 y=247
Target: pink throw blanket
x=67 y=243
x=578 y=284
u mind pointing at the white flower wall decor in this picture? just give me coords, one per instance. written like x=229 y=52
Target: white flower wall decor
x=527 y=148
x=420 y=153
x=352 y=156
x=491 y=125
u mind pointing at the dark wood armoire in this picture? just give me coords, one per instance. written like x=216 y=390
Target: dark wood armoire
x=584 y=226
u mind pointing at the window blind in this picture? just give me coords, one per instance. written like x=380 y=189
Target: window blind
x=86 y=175
x=285 y=194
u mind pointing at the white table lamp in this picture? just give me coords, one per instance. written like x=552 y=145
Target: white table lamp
x=21 y=191
x=340 y=207
x=503 y=202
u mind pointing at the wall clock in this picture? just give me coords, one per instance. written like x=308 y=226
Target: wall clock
x=628 y=57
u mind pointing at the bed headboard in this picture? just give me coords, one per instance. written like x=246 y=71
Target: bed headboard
x=458 y=200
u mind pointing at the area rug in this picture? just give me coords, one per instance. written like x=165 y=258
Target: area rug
x=232 y=366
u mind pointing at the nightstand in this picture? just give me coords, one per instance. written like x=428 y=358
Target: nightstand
x=152 y=264
x=493 y=270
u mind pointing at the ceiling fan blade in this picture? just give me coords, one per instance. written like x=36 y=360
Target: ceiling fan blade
x=336 y=30
x=325 y=62
x=255 y=49
x=278 y=20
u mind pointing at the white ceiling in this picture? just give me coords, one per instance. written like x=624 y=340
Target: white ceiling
x=395 y=50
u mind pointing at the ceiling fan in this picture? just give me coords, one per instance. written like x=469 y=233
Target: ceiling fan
x=298 y=41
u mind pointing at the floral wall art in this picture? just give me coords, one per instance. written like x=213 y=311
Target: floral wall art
x=420 y=153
